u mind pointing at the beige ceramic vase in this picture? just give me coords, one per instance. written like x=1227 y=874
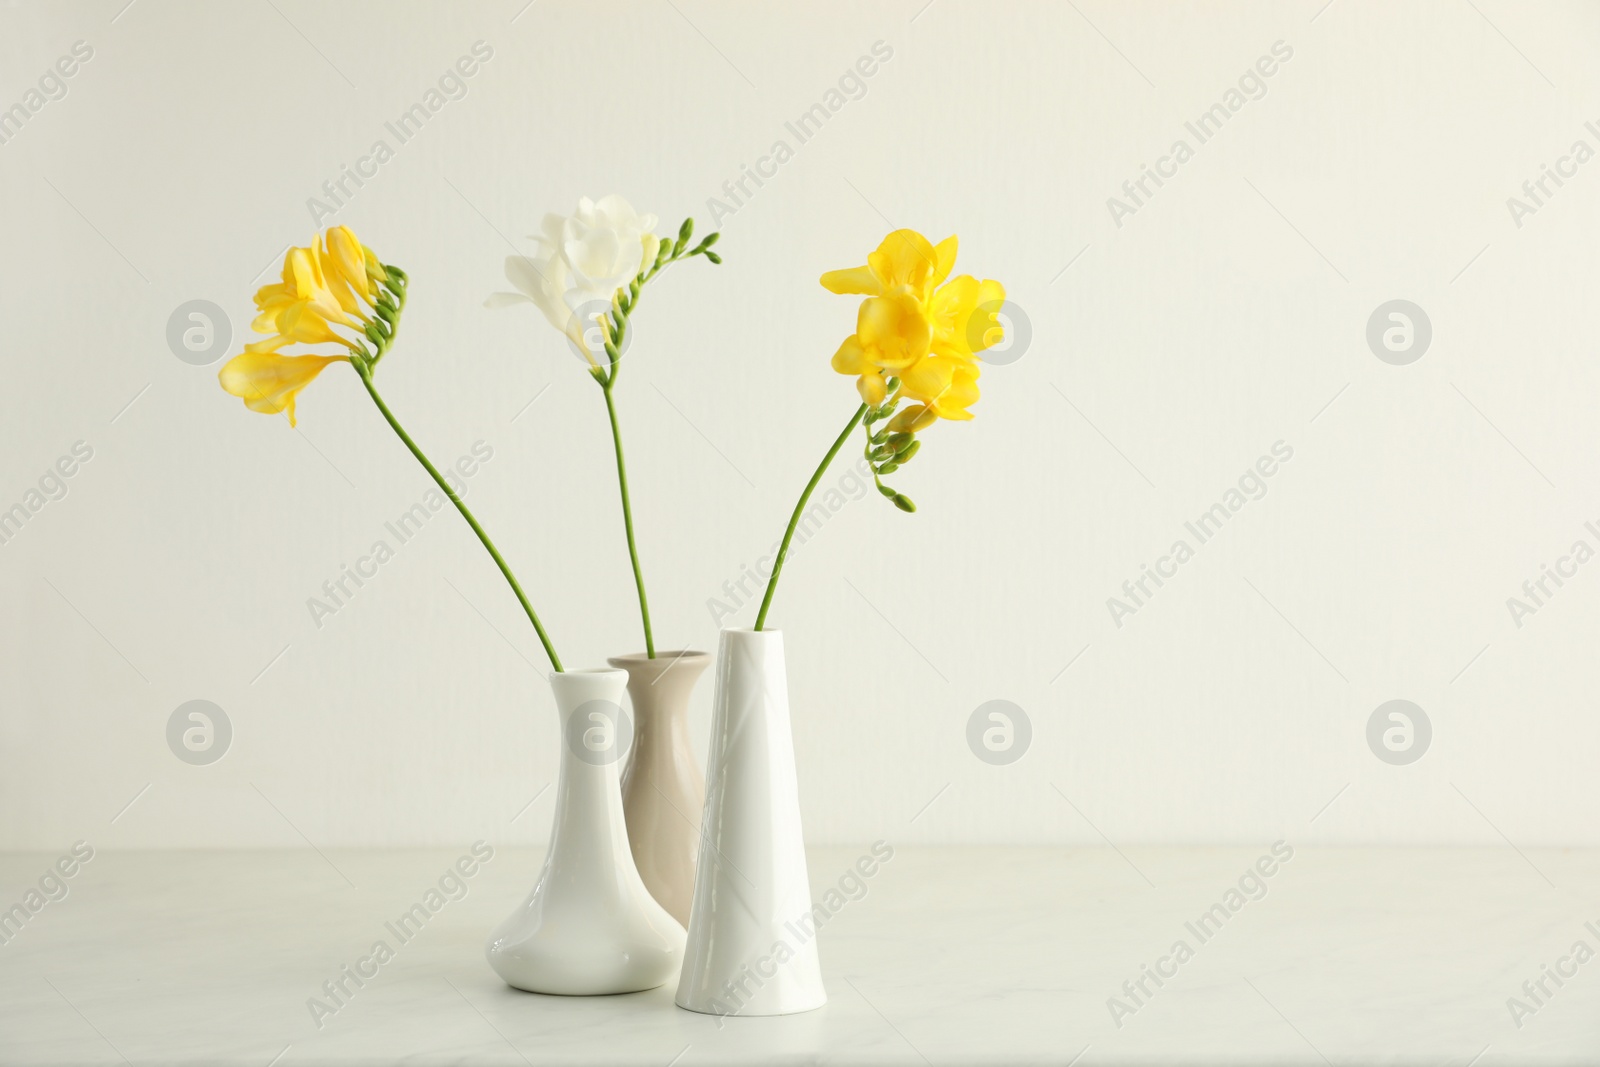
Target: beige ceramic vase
x=663 y=789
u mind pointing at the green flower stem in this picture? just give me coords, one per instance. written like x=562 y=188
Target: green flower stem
x=363 y=369
x=627 y=521
x=616 y=332
x=799 y=509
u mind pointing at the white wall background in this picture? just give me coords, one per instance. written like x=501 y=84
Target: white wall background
x=1167 y=354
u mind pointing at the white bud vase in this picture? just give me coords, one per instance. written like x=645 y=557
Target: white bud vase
x=752 y=942
x=590 y=926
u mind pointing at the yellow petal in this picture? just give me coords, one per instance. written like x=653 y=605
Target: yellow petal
x=268 y=382
x=858 y=280
x=944 y=255
x=872 y=387
x=986 y=332
x=305 y=323
x=955 y=401
x=349 y=258
x=851 y=358
x=927 y=378
x=894 y=330
x=905 y=258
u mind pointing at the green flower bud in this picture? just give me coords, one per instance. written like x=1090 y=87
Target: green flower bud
x=888 y=468
x=686 y=231
x=911 y=450
x=881 y=453
x=904 y=503
x=709 y=240
x=713 y=257
x=886 y=491
x=900 y=441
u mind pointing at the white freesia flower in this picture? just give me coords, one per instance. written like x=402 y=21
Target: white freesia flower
x=581 y=262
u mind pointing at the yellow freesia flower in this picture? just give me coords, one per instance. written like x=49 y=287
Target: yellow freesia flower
x=267 y=381
x=324 y=296
x=917 y=327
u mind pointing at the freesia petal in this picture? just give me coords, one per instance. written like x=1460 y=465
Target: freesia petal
x=305 y=324
x=904 y=258
x=593 y=254
x=268 y=382
x=349 y=257
x=894 y=329
x=927 y=378
x=856 y=280
x=953 y=403
x=987 y=332
x=527 y=275
x=944 y=254
x=851 y=358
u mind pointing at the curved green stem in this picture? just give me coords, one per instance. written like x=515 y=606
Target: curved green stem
x=799 y=509
x=366 y=379
x=627 y=522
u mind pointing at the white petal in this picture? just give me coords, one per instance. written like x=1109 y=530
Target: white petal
x=551 y=228
x=594 y=256
x=614 y=210
x=505 y=300
x=527 y=275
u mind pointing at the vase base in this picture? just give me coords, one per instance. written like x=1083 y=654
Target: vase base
x=798 y=1008
x=573 y=972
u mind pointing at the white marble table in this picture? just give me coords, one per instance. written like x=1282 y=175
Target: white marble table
x=972 y=955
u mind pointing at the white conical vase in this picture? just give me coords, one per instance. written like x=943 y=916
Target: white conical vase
x=590 y=926
x=752 y=942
